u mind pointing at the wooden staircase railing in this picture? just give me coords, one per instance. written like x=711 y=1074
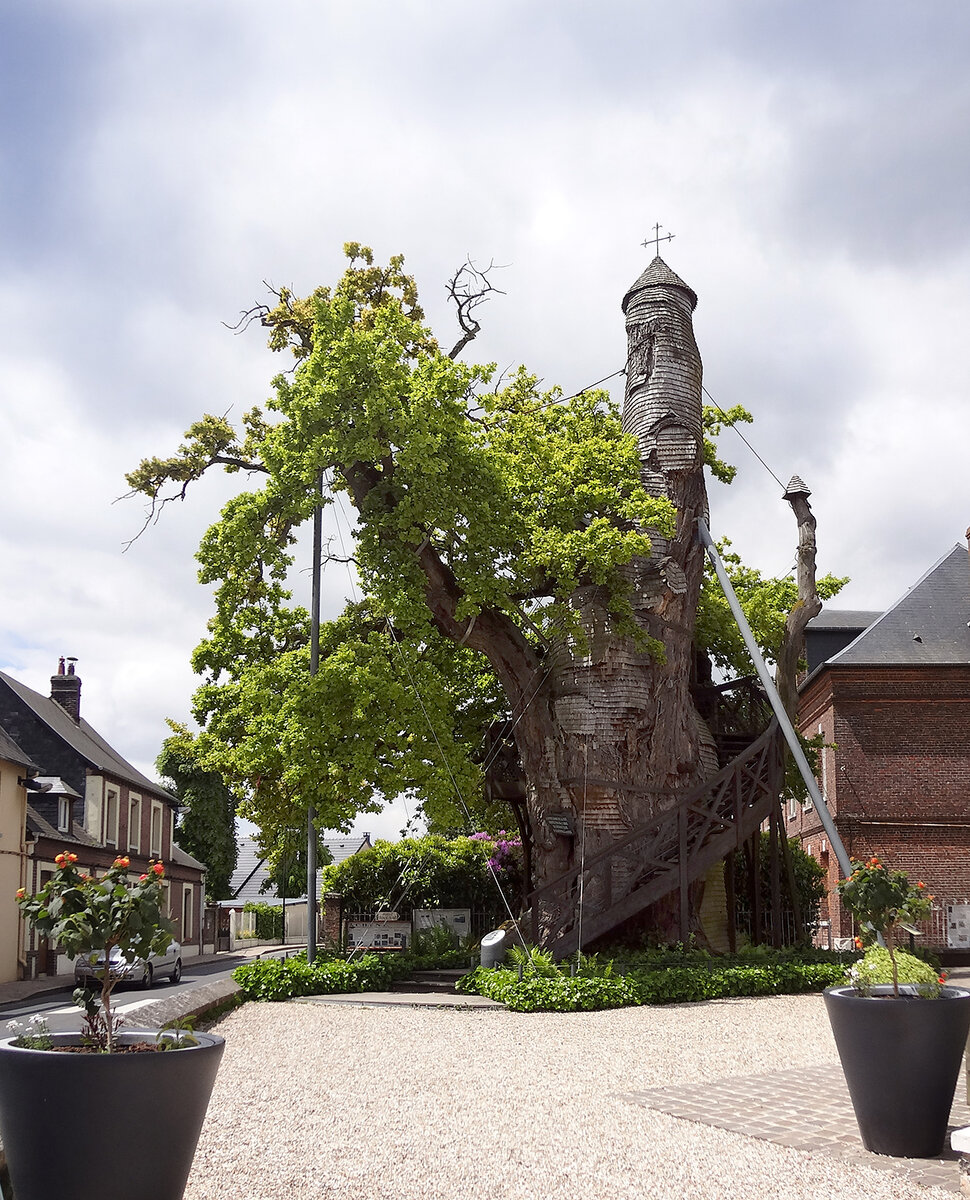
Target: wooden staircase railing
x=666 y=854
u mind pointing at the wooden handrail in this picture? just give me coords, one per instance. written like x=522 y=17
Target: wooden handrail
x=664 y=854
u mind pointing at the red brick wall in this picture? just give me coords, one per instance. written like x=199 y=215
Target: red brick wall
x=898 y=780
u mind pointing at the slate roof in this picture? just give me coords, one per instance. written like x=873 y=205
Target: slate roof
x=184 y=859
x=844 y=618
x=251 y=871
x=11 y=752
x=41 y=827
x=82 y=738
x=57 y=786
x=929 y=625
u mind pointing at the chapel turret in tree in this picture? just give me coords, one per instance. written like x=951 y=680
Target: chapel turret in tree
x=633 y=711
x=663 y=409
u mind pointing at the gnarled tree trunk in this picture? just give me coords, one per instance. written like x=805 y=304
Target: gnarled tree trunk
x=613 y=737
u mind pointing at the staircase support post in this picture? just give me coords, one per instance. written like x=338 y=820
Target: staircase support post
x=731 y=901
x=684 y=876
x=775 y=874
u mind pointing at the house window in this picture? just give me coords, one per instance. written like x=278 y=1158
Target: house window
x=156 y=839
x=134 y=823
x=187 y=930
x=64 y=814
x=792 y=808
x=111 y=818
x=95 y=816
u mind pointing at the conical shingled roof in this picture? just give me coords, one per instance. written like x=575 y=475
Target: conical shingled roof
x=658 y=274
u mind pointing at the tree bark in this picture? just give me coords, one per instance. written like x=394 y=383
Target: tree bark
x=613 y=736
x=807 y=605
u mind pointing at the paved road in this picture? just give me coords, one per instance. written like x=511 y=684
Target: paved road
x=62 y=1015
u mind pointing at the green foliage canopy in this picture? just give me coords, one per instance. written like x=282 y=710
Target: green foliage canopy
x=207 y=823
x=479 y=501
x=428 y=872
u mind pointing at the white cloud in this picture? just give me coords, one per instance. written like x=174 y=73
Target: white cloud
x=165 y=159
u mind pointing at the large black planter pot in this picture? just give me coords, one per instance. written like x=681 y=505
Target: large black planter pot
x=901 y=1058
x=104 y=1126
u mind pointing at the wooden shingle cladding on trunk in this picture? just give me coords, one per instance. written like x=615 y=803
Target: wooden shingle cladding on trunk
x=614 y=737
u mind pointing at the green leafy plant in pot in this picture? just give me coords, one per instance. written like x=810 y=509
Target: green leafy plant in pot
x=881 y=899
x=899 y=1030
x=90 y=916
x=145 y=1095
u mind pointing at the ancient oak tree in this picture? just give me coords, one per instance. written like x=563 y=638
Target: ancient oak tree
x=524 y=563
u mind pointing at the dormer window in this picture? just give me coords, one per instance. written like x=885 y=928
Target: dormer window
x=64 y=814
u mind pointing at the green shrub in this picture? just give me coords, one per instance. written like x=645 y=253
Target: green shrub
x=670 y=985
x=437 y=873
x=548 y=993
x=269 y=920
x=283 y=978
x=876 y=968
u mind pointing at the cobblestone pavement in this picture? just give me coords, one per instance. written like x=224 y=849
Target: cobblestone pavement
x=807 y=1109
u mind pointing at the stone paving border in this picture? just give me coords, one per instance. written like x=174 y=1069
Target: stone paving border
x=807 y=1109
x=407 y=999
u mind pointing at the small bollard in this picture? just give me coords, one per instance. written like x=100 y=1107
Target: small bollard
x=493 y=948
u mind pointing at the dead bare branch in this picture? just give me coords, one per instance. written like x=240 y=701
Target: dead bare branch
x=246 y=317
x=469 y=287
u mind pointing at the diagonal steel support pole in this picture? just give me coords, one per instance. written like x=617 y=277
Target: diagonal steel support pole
x=772 y=692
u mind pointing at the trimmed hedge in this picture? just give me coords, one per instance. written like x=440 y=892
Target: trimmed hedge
x=671 y=985
x=283 y=978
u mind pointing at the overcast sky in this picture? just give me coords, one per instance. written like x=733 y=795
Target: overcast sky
x=158 y=161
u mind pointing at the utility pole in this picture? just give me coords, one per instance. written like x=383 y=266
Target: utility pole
x=311 y=829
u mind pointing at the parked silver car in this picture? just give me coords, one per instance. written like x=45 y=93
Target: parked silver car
x=130 y=970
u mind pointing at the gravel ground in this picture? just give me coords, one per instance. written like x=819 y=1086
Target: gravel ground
x=346 y=1103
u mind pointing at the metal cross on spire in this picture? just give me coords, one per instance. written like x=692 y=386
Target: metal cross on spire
x=657 y=239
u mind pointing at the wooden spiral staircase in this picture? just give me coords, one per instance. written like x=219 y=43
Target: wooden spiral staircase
x=675 y=848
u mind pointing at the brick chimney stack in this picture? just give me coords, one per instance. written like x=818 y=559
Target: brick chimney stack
x=66 y=689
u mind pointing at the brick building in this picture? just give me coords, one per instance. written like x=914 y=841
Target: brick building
x=85 y=797
x=890 y=693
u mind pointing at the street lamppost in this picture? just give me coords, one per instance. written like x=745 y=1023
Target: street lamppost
x=311 y=832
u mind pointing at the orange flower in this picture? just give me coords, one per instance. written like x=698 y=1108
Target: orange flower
x=921 y=884
x=858 y=943
x=158 y=869
x=142 y=878
x=942 y=978
x=21 y=892
x=122 y=861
